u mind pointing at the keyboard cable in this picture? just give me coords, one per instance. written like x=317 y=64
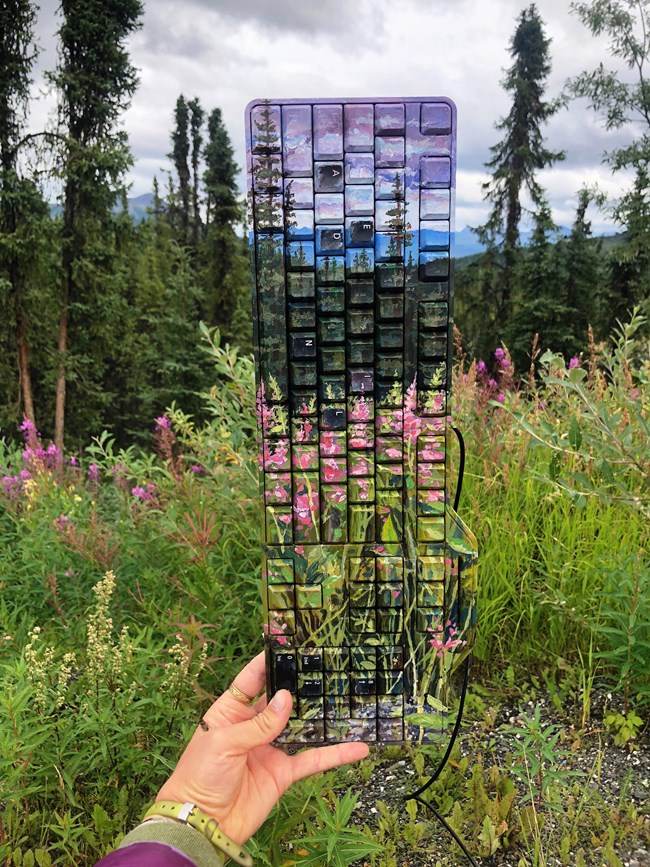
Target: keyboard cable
x=417 y=795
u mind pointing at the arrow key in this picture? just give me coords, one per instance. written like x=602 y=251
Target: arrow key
x=329 y=177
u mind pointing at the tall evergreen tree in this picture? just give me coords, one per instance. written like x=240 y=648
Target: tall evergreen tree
x=624 y=105
x=522 y=152
x=95 y=82
x=22 y=210
x=196 y=123
x=180 y=156
x=225 y=270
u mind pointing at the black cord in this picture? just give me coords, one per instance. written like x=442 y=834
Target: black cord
x=416 y=796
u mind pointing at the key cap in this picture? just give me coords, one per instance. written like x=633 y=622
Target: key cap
x=359 y=168
x=361 y=351
x=361 y=596
x=361 y=523
x=434 y=204
x=361 y=490
x=309 y=596
x=389 y=516
x=331 y=299
x=389 y=276
x=389 y=247
x=310 y=686
x=281 y=596
x=310 y=709
x=435 y=172
x=391 y=730
x=297 y=140
x=431 y=594
x=389 y=336
x=267 y=173
x=389 y=621
x=265 y=129
x=390 y=682
x=330 y=239
x=359 y=200
x=303 y=345
x=432 y=346
x=298 y=193
x=337 y=659
x=337 y=683
x=389 y=152
x=328 y=132
x=334 y=512
x=279 y=571
x=358 y=122
x=299 y=225
x=301 y=285
x=331 y=330
x=300 y=255
x=433 y=314
x=364 y=659
x=302 y=316
x=328 y=177
x=304 y=375
x=332 y=358
x=390 y=595
x=431 y=529
x=361 y=381
x=361 y=435
x=389 y=184
x=332 y=387
x=363 y=685
x=360 y=292
x=434 y=235
x=390 y=307
x=285 y=671
x=360 y=322
x=359 y=232
x=329 y=207
x=435 y=118
x=361 y=569
x=333 y=417
x=360 y=262
x=389 y=119
x=390 y=658
x=434 y=266
x=268 y=213
x=330 y=269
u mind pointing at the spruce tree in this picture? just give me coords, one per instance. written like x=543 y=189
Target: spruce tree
x=179 y=212
x=22 y=211
x=196 y=122
x=522 y=152
x=95 y=82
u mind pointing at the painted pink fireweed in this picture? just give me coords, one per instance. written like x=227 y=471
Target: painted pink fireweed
x=442 y=643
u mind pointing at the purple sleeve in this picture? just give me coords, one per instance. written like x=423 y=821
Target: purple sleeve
x=146 y=855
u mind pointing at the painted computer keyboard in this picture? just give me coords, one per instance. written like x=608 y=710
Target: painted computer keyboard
x=369 y=576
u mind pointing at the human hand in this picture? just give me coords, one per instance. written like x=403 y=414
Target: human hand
x=231 y=771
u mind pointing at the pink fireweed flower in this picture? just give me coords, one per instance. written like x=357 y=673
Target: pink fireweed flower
x=574 y=362
x=434 y=497
x=337 y=494
x=333 y=471
x=328 y=444
x=284 y=519
x=163 y=422
x=30 y=434
x=303 y=506
x=444 y=646
x=93 y=474
x=501 y=398
x=481 y=367
x=395 y=454
x=278 y=456
x=360 y=410
x=146 y=494
x=300 y=550
x=73 y=461
x=62 y=522
x=492 y=383
x=364 y=488
x=412 y=421
x=12 y=486
x=196 y=468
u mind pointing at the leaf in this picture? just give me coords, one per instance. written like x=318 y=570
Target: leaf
x=488 y=837
x=575 y=436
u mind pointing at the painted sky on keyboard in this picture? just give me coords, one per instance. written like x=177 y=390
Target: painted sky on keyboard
x=228 y=52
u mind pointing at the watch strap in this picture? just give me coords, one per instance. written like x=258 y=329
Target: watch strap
x=189 y=814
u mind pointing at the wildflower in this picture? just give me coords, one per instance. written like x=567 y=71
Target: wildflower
x=284 y=519
x=62 y=522
x=328 y=444
x=145 y=494
x=574 y=362
x=93 y=474
x=338 y=494
x=501 y=397
x=163 y=422
x=492 y=383
x=195 y=468
x=12 y=486
x=499 y=354
x=303 y=506
x=73 y=461
x=332 y=471
x=481 y=367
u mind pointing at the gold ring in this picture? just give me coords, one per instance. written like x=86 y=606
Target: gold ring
x=239 y=695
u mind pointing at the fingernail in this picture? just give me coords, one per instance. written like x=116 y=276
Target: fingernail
x=279 y=701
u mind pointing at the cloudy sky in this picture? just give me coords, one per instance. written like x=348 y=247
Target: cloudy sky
x=228 y=52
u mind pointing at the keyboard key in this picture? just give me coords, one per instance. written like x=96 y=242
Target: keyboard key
x=304 y=429
x=389 y=247
x=391 y=730
x=360 y=262
x=389 y=119
x=304 y=375
x=333 y=469
x=431 y=594
x=303 y=345
x=432 y=376
x=359 y=232
x=333 y=443
x=389 y=184
x=363 y=659
x=389 y=449
x=390 y=423
x=328 y=132
x=301 y=285
x=337 y=683
x=300 y=255
x=360 y=292
x=431 y=529
x=309 y=596
x=337 y=659
x=361 y=596
x=390 y=595
x=329 y=207
x=306 y=511
x=299 y=225
x=332 y=387
x=390 y=659
x=431 y=476
x=390 y=569
x=359 y=201
x=277 y=455
x=434 y=235
x=361 y=490
x=328 y=177
x=360 y=322
x=333 y=417
x=361 y=435
x=331 y=299
x=390 y=307
x=285 y=674
x=429 y=620
x=265 y=129
x=391 y=621
x=434 y=266
x=358 y=123
x=435 y=172
x=334 y=513
x=359 y=168
x=434 y=204
x=389 y=336
x=390 y=476
x=431 y=448
x=360 y=351
x=298 y=193
x=388 y=394
x=433 y=314
x=305 y=457
x=297 y=140
x=267 y=173
x=362 y=620
x=268 y=213
x=361 y=381
x=331 y=330
x=431 y=503
x=278 y=525
x=330 y=239
x=362 y=684
x=310 y=686
x=435 y=118
x=389 y=276
x=389 y=152
x=302 y=316
x=389 y=516
x=332 y=358
x=390 y=683
x=279 y=571
x=281 y=596
x=310 y=708
x=330 y=269
x=432 y=346
x=361 y=525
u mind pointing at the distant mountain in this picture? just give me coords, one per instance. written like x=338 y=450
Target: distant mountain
x=138 y=207
x=467 y=244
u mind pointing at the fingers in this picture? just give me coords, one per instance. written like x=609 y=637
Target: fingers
x=313 y=761
x=264 y=726
x=250 y=680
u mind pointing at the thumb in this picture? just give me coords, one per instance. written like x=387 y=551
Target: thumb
x=264 y=727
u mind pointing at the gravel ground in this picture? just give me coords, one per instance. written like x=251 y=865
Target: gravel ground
x=617 y=775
